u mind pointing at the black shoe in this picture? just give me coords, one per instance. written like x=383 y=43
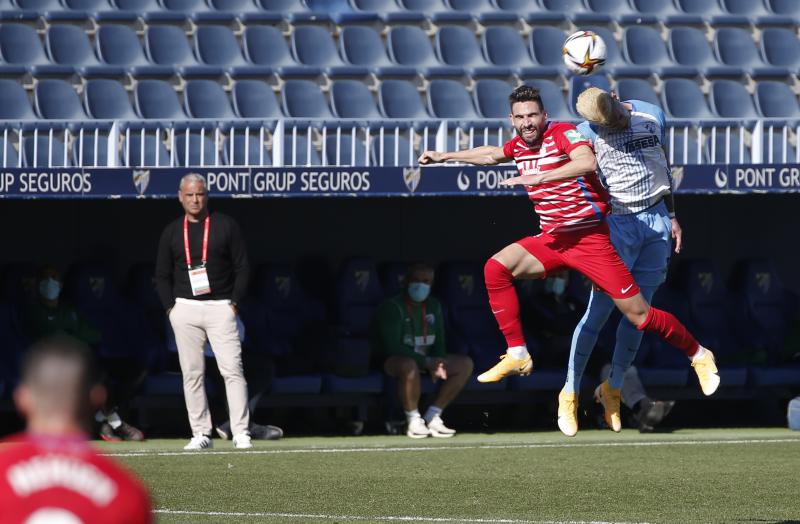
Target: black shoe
x=267 y=432
x=651 y=413
x=129 y=433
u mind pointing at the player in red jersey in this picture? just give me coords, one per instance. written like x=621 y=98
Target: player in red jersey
x=558 y=167
x=50 y=474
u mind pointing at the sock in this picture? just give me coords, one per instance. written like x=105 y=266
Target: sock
x=411 y=415
x=700 y=352
x=432 y=412
x=503 y=301
x=584 y=338
x=627 y=345
x=113 y=420
x=518 y=352
x=669 y=328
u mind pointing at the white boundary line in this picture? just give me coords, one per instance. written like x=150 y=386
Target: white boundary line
x=308 y=516
x=657 y=443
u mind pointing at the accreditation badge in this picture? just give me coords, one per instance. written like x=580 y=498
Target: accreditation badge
x=198 y=278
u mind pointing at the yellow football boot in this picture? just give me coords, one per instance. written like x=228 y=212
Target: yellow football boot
x=707 y=374
x=507 y=366
x=568 y=413
x=610 y=399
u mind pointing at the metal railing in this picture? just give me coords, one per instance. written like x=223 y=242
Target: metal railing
x=296 y=143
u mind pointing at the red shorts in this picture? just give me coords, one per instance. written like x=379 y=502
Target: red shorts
x=588 y=251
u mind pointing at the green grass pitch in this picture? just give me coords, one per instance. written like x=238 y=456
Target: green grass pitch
x=702 y=476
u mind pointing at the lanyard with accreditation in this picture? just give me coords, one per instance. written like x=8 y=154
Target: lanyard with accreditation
x=198 y=277
x=421 y=344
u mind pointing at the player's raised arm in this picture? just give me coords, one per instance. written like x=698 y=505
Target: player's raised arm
x=482 y=156
x=582 y=162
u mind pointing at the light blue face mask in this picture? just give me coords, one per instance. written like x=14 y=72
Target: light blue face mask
x=50 y=288
x=555 y=285
x=419 y=291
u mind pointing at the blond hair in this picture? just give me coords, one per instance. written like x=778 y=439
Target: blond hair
x=598 y=107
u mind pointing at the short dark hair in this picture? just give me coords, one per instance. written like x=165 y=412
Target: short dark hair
x=65 y=349
x=525 y=93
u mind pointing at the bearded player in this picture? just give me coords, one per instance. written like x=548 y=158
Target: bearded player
x=558 y=167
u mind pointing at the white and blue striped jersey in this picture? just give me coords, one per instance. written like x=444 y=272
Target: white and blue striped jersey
x=631 y=161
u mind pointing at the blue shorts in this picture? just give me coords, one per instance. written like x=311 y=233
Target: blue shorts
x=644 y=243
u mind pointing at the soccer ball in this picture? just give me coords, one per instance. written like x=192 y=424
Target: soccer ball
x=584 y=52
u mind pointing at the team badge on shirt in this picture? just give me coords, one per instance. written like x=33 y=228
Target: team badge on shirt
x=573 y=135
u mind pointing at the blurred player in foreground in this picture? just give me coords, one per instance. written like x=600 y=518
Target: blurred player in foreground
x=558 y=167
x=50 y=474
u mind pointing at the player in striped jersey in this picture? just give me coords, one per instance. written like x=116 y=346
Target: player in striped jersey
x=558 y=167
x=628 y=139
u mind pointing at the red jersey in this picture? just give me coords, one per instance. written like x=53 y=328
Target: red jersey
x=564 y=205
x=64 y=480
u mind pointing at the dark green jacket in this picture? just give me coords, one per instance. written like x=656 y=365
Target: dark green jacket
x=396 y=332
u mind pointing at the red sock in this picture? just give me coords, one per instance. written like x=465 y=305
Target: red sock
x=504 y=302
x=670 y=329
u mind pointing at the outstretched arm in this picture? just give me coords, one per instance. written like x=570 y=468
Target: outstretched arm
x=582 y=162
x=482 y=156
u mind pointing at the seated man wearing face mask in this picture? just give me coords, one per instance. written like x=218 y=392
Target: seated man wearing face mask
x=51 y=316
x=409 y=333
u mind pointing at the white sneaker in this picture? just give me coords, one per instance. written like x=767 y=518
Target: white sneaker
x=199 y=442
x=438 y=429
x=417 y=428
x=242 y=441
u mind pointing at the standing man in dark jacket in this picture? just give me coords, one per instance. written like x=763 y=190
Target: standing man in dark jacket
x=201 y=274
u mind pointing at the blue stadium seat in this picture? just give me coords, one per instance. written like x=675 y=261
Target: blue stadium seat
x=682 y=98
x=358 y=293
x=352 y=99
x=706 y=9
x=20 y=46
x=787 y=9
x=43 y=156
x=546 y=44
x=776 y=100
x=746 y=11
x=136 y=6
x=472 y=327
x=396 y=151
x=351 y=152
x=688 y=47
x=304 y=99
x=552 y=97
x=735 y=47
x=362 y=46
x=266 y=46
x=166 y=45
x=118 y=45
x=8 y=154
x=14 y=102
x=491 y=97
x=666 y=12
x=188 y=6
x=206 y=99
x=255 y=99
x=90 y=157
x=69 y=45
x=142 y=152
x=37 y=5
x=57 y=100
x=107 y=99
x=737 y=154
x=780 y=47
x=503 y=46
x=457 y=46
x=550 y=11
x=730 y=99
x=637 y=89
x=578 y=84
x=157 y=99
x=400 y=99
x=304 y=152
x=234 y=6
x=449 y=99
x=256 y=154
x=195 y=150
x=216 y=45
x=393 y=275
x=287 y=6
x=676 y=151
x=410 y=46
x=643 y=46
x=313 y=46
